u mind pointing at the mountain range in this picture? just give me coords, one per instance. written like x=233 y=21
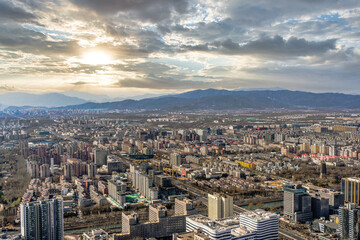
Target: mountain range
x=20 y=99
x=49 y=100
x=209 y=99
x=219 y=99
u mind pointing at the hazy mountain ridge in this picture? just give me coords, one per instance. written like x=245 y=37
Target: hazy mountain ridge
x=213 y=99
x=20 y=99
x=210 y=99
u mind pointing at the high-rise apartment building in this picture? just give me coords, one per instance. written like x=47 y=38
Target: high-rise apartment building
x=220 y=206
x=42 y=220
x=184 y=207
x=24 y=148
x=204 y=150
x=91 y=170
x=349 y=222
x=116 y=187
x=144 y=184
x=44 y=171
x=175 y=159
x=100 y=157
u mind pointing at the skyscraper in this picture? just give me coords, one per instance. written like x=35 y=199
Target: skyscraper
x=220 y=206
x=297 y=203
x=351 y=189
x=42 y=220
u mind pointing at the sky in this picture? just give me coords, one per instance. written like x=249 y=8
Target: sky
x=123 y=48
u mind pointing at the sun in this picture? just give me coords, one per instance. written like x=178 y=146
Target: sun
x=96 y=58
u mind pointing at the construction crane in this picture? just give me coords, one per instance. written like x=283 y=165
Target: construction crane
x=172 y=172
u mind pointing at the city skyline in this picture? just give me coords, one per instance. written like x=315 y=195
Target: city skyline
x=129 y=48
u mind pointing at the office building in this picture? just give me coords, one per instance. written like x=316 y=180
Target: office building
x=351 y=189
x=262 y=224
x=114 y=166
x=297 y=204
x=163 y=181
x=336 y=199
x=320 y=207
x=215 y=229
x=42 y=220
x=251 y=225
x=220 y=206
x=198 y=235
x=160 y=225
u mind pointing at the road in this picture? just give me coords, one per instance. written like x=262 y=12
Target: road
x=202 y=195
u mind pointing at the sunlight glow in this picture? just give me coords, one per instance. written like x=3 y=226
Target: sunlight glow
x=96 y=58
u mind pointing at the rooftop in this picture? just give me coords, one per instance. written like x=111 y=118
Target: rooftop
x=217 y=225
x=259 y=215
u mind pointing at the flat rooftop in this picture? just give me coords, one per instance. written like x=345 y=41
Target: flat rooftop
x=259 y=215
x=217 y=225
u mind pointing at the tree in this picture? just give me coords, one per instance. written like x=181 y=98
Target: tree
x=260 y=205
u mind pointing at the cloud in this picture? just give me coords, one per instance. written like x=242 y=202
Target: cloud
x=156 y=82
x=148 y=10
x=7 y=88
x=18 y=38
x=80 y=83
x=180 y=83
x=263 y=13
x=204 y=31
x=179 y=44
x=266 y=46
x=8 y=11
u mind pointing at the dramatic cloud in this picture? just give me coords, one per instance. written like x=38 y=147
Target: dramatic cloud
x=19 y=38
x=152 y=10
x=134 y=47
x=270 y=47
x=10 y=12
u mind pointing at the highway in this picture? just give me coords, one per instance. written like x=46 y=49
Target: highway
x=202 y=195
